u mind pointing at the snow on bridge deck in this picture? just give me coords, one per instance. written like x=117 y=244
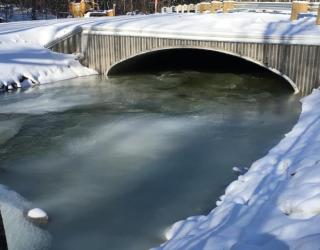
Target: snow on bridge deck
x=240 y=27
x=232 y=26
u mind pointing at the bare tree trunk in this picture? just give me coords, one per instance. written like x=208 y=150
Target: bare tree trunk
x=34 y=6
x=46 y=9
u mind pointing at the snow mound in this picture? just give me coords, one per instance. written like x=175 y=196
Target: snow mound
x=24 y=66
x=37 y=213
x=24 y=60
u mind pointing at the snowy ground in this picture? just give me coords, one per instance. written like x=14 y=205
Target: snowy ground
x=276 y=204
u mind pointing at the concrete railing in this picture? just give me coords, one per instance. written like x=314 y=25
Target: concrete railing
x=72 y=38
x=245 y=5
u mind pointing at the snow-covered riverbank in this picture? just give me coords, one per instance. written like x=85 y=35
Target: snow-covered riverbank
x=276 y=204
x=24 y=61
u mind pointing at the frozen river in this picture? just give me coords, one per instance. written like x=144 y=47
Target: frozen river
x=116 y=161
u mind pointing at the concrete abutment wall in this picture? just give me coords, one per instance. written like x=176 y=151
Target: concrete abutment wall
x=298 y=64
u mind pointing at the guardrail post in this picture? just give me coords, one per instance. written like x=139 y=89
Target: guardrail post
x=318 y=17
x=111 y=12
x=192 y=8
x=3 y=240
x=179 y=8
x=297 y=8
x=228 y=5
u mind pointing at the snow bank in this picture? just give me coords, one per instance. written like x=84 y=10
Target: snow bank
x=21 y=234
x=26 y=65
x=275 y=205
x=24 y=60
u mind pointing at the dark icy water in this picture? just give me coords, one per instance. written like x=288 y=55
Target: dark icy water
x=116 y=161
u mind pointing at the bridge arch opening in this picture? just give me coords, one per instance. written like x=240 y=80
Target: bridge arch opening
x=194 y=59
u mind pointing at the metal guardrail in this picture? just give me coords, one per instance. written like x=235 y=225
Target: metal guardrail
x=63 y=38
x=281 y=6
x=263 y=5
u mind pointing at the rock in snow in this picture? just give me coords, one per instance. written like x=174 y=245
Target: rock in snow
x=37 y=215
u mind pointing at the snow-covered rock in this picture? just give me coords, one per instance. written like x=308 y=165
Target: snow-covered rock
x=37 y=215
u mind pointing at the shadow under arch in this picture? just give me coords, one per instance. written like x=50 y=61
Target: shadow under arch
x=193 y=58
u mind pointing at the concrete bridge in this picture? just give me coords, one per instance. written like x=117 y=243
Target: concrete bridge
x=295 y=57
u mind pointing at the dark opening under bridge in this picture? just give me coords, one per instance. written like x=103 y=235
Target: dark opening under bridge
x=294 y=57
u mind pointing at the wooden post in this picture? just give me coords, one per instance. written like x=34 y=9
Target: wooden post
x=318 y=18
x=228 y=5
x=3 y=240
x=215 y=6
x=191 y=8
x=83 y=8
x=185 y=8
x=110 y=12
x=297 y=8
x=204 y=6
x=178 y=8
x=114 y=9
